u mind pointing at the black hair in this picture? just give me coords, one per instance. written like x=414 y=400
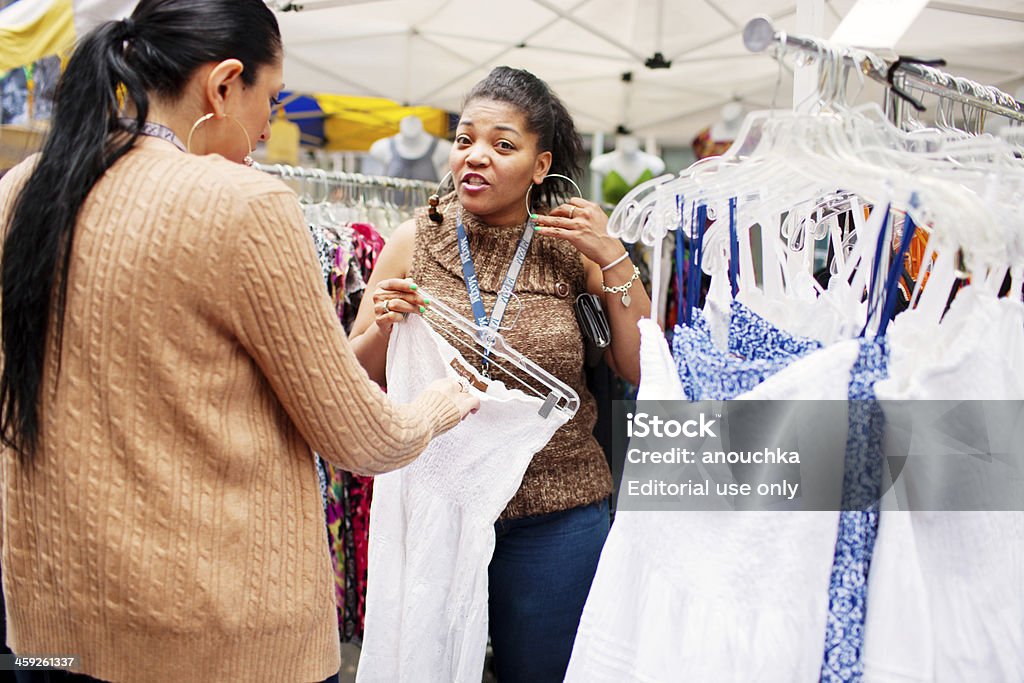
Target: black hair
x=546 y=116
x=152 y=53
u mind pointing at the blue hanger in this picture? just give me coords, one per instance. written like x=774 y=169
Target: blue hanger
x=696 y=260
x=680 y=257
x=734 y=249
x=896 y=270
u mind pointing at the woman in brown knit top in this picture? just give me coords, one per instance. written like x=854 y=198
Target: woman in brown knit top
x=513 y=133
x=170 y=357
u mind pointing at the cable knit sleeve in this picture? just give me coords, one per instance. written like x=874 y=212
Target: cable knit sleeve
x=284 y=318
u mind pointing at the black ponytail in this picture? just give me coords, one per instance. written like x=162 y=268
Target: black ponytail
x=154 y=52
x=547 y=117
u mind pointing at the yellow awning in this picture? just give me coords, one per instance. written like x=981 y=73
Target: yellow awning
x=355 y=123
x=33 y=29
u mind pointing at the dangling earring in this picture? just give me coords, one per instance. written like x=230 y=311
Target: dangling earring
x=247 y=160
x=579 y=193
x=435 y=199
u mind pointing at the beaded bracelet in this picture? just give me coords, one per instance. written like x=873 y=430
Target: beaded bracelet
x=623 y=289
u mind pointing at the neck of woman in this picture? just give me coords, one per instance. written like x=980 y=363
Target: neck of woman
x=511 y=216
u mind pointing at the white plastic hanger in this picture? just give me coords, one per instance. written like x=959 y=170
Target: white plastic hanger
x=970 y=189
x=482 y=340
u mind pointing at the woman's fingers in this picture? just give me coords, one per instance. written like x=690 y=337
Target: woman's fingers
x=398 y=285
x=404 y=290
x=583 y=224
x=573 y=209
x=386 y=305
x=396 y=298
x=576 y=215
x=564 y=220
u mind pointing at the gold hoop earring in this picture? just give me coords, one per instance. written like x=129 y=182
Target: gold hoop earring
x=435 y=199
x=247 y=160
x=579 y=193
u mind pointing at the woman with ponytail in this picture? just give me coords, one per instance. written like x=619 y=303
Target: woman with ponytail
x=514 y=137
x=170 y=358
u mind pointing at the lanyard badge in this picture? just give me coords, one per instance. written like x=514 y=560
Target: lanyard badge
x=480 y=316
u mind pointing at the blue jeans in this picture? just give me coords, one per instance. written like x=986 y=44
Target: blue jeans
x=539 y=579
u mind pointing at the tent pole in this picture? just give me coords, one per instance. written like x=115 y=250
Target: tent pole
x=407 y=84
x=714 y=40
x=962 y=8
x=589 y=28
x=810 y=21
x=732 y=22
x=651 y=146
x=426 y=97
x=596 y=150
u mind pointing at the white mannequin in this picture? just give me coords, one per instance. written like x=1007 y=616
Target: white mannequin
x=412 y=142
x=728 y=127
x=628 y=160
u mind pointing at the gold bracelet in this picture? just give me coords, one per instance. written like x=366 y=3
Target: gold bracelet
x=623 y=289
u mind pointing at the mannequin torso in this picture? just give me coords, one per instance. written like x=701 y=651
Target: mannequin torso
x=727 y=128
x=624 y=168
x=412 y=153
x=715 y=139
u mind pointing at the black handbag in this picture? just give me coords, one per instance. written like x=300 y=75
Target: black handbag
x=594 y=326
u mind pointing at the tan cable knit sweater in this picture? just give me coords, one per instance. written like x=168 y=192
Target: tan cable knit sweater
x=171 y=527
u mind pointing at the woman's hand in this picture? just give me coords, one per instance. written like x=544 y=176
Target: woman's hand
x=393 y=299
x=584 y=225
x=457 y=391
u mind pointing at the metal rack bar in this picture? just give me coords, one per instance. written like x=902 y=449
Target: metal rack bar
x=287 y=171
x=759 y=34
x=965 y=91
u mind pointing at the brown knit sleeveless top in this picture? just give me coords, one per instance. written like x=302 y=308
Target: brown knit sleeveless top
x=571 y=470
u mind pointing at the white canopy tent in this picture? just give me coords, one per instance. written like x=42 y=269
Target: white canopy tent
x=595 y=53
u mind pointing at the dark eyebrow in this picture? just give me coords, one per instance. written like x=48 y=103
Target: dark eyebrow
x=467 y=123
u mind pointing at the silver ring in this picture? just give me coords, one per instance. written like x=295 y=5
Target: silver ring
x=572 y=211
x=463 y=385
x=387 y=309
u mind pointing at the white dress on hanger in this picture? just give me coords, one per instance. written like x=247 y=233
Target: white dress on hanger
x=714 y=596
x=432 y=523
x=972 y=562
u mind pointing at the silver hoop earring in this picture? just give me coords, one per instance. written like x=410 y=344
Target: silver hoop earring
x=579 y=193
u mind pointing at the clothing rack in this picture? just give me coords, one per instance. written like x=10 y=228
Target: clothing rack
x=287 y=172
x=759 y=34
x=338 y=198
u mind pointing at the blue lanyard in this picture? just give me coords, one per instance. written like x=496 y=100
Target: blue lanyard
x=507 y=285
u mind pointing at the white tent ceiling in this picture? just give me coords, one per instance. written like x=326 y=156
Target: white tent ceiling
x=431 y=51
